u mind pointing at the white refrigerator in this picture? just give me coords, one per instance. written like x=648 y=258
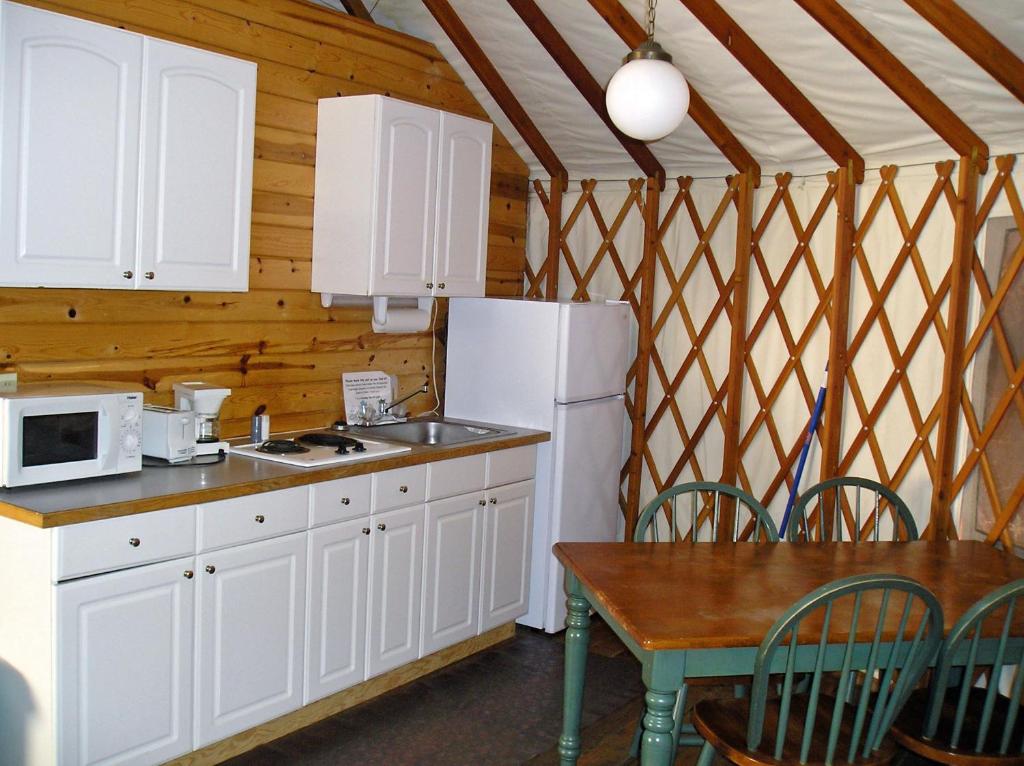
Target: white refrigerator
x=558 y=367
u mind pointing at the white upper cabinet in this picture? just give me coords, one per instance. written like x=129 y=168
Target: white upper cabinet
x=69 y=159
x=463 y=205
x=197 y=150
x=401 y=200
x=125 y=161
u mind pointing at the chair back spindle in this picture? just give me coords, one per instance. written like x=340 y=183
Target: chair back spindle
x=702 y=504
x=904 y=623
x=848 y=502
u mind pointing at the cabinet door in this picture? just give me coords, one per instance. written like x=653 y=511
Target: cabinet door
x=124 y=665
x=403 y=247
x=336 y=640
x=251 y=629
x=463 y=206
x=69 y=118
x=396 y=576
x=507 y=535
x=451 y=572
x=196 y=188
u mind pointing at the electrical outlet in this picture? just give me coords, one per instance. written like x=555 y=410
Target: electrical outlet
x=8 y=382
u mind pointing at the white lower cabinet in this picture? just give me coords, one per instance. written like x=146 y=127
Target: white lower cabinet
x=251 y=621
x=451 y=570
x=396 y=577
x=508 y=524
x=228 y=614
x=336 y=639
x=124 y=665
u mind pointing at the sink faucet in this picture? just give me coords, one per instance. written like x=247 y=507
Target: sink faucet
x=382 y=407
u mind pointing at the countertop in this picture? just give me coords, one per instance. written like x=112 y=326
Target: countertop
x=152 y=489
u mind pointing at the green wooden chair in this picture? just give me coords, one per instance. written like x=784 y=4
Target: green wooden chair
x=957 y=723
x=703 y=503
x=880 y=623
x=862 y=498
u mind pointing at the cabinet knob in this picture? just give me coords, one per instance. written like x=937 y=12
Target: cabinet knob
x=134 y=542
x=189 y=574
x=440 y=286
x=128 y=274
x=430 y=285
x=381 y=527
x=345 y=501
x=494 y=501
x=481 y=502
x=403 y=489
x=149 y=275
x=366 y=530
x=210 y=569
x=260 y=518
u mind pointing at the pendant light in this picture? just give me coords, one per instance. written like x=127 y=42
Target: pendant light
x=647 y=97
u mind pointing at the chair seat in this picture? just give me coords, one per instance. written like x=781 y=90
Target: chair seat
x=723 y=723
x=907 y=731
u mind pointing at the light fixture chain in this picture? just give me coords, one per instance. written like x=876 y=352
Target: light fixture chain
x=651 y=6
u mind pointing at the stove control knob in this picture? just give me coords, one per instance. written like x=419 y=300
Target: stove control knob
x=342 y=450
x=360 y=447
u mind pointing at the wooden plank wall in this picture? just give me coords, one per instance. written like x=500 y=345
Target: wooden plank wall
x=274 y=345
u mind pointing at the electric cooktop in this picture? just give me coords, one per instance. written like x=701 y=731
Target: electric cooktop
x=310 y=449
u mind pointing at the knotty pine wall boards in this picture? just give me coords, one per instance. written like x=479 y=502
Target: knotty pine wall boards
x=274 y=345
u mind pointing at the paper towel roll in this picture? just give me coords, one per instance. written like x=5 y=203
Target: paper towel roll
x=404 y=320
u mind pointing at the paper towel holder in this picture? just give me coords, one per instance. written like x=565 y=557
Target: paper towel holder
x=391 y=314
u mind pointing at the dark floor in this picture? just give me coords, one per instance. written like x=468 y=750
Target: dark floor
x=502 y=706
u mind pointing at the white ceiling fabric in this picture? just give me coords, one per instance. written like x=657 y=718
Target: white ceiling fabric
x=861 y=108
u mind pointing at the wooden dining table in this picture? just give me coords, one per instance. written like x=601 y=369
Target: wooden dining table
x=689 y=611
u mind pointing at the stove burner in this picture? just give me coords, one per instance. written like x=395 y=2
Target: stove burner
x=281 y=447
x=333 y=440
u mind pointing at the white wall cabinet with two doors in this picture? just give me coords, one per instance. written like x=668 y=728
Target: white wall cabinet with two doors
x=401 y=202
x=125 y=161
x=174 y=629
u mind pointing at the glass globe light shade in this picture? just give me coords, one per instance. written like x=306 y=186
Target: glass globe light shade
x=647 y=98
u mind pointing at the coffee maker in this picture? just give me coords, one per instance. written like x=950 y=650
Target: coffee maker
x=205 y=401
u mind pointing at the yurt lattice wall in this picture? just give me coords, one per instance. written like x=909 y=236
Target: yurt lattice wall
x=735 y=359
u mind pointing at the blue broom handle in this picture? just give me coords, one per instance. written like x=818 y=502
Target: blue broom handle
x=812 y=425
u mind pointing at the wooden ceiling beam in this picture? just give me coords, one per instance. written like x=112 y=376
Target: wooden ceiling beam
x=589 y=88
x=632 y=34
x=773 y=80
x=904 y=83
x=497 y=87
x=357 y=9
x=972 y=38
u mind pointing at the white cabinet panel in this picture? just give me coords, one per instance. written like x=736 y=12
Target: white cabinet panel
x=336 y=638
x=197 y=154
x=463 y=206
x=251 y=628
x=396 y=577
x=69 y=152
x=406 y=199
x=505 y=588
x=398 y=487
x=451 y=573
x=402 y=199
x=447 y=478
x=124 y=666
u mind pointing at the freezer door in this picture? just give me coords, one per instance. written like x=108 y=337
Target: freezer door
x=501 y=361
x=585 y=508
x=593 y=344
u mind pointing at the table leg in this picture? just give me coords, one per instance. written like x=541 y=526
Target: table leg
x=577 y=636
x=663 y=675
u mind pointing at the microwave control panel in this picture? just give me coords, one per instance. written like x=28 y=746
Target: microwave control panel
x=131 y=428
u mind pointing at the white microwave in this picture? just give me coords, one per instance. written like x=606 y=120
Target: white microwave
x=61 y=431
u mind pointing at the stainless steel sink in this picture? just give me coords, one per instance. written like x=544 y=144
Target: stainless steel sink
x=426 y=432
